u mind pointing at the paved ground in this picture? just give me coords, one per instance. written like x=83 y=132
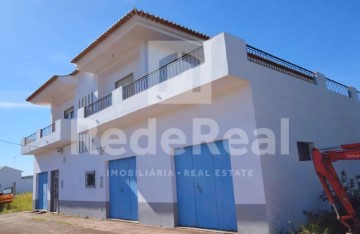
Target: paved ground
x=27 y=222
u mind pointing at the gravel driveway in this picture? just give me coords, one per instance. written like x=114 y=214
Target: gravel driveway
x=27 y=222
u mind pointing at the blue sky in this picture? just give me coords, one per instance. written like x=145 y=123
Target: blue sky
x=39 y=38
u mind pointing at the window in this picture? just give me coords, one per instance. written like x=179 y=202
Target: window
x=190 y=60
x=124 y=81
x=86 y=143
x=165 y=73
x=304 y=151
x=69 y=113
x=90 y=179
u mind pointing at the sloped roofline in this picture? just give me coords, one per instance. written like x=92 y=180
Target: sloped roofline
x=111 y=30
x=126 y=18
x=47 y=83
x=4 y=167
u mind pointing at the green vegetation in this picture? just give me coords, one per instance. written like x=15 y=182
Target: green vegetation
x=22 y=202
x=325 y=221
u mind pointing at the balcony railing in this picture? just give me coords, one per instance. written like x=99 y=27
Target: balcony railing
x=99 y=105
x=47 y=130
x=170 y=70
x=30 y=139
x=265 y=59
x=337 y=87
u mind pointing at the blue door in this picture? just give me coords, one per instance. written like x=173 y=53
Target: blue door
x=205 y=194
x=123 y=189
x=42 y=190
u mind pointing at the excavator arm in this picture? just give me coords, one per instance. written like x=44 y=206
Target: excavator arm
x=331 y=183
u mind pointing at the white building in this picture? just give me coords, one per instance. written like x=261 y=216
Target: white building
x=11 y=177
x=146 y=75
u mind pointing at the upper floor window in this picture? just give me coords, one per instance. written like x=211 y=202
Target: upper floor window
x=124 y=81
x=163 y=66
x=69 y=113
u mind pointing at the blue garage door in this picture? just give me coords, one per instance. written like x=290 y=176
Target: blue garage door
x=123 y=189
x=42 y=190
x=205 y=193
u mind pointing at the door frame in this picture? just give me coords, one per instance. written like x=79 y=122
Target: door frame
x=54 y=191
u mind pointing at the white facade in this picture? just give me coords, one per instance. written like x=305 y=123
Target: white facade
x=227 y=88
x=11 y=177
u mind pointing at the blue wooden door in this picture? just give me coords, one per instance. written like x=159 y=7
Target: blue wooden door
x=42 y=190
x=205 y=196
x=225 y=199
x=114 y=193
x=123 y=189
x=133 y=189
x=185 y=188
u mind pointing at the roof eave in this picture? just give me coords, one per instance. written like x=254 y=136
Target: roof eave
x=48 y=83
x=125 y=19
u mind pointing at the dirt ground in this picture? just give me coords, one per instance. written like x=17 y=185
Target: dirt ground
x=28 y=222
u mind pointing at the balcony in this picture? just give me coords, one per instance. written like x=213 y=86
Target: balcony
x=268 y=60
x=99 y=105
x=189 y=79
x=166 y=72
x=170 y=70
x=223 y=62
x=51 y=137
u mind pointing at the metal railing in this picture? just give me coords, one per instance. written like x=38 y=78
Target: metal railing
x=47 y=130
x=99 y=105
x=358 y=93
x=265 y=59
x=337 y=87
x=30 y=139
x=170 y=70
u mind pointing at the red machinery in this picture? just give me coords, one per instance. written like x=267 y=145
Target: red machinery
x=323 y=160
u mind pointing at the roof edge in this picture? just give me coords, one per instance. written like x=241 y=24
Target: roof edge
x=125 y=19
x=49 y=82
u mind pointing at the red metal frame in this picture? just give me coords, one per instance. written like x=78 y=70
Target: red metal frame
x=329 y=179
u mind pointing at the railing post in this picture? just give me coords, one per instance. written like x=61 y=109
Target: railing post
x=38 y=134
x=354 y=93
x=321 y=80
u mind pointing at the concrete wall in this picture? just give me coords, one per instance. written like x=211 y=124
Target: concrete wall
x=24 y=185
x=243 y=95
x=10 y=177
x=157 y=195
x=315 y=115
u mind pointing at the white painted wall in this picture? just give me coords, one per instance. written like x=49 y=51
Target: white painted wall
x=245 y=95
x=316 y=115
x=58 y=109
x=9 y=176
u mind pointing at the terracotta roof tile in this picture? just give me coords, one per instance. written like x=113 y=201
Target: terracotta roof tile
x=112 y=29
x=49 y=82
x=126 y=18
